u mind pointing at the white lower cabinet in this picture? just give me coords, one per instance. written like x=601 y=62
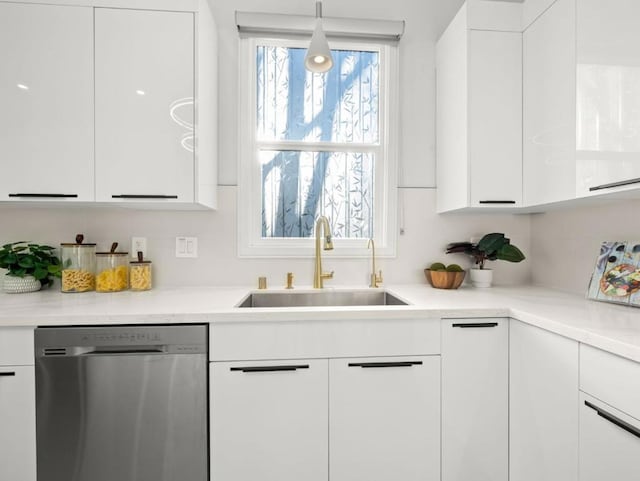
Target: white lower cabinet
x=17 y=423
x=609 y=442
x=269 y=421
x=384 y=421
x=475 y=399
x=543 y=390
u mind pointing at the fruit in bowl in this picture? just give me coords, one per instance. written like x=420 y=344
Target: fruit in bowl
x=445 y=277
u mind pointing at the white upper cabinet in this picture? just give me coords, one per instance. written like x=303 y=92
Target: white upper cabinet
x=495 y=118
x=144 y=105
x=549 y=106
x=109 y=104
x=46 y=94
x=608 y=96
x=479 y=115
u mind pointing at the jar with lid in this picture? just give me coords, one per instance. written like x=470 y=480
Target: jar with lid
x=140 y=274
x=78 y=266
x=113 y=270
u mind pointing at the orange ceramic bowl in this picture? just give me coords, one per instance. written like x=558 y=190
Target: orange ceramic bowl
x=444 y=279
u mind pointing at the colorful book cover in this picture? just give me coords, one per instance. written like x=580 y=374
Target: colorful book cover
x=616 y=277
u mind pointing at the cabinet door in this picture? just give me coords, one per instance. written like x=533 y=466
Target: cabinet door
x=384 y=421
x=269 y=421
x=543 y=390
x=609 y=442
x=46 y=94
x=475 y=399
x=18 y=421
x=608 y=96
x=549 y=92
x=495 y=118
x=144 y=105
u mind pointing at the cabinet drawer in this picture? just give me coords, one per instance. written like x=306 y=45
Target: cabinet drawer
x=16 y=346
x=299 y=339
x=610 y=378
x=609 y=442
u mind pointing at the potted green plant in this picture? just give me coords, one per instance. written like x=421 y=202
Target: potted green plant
x=491 y=247
x=29 y=266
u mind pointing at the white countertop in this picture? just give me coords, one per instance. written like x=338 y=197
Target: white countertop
x=606 y=326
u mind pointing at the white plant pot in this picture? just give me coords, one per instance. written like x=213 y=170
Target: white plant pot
x=481 y=277
x=19 y=285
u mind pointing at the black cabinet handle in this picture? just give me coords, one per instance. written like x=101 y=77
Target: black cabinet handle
x=506 y=202
x=615 y=184
x=7 y=374
x=614 y=420
x=374 y=365
x=475 y=325
x=270 y=368
x=137 y=196
x=45 y=196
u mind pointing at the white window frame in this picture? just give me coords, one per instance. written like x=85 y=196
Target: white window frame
x=249 y=206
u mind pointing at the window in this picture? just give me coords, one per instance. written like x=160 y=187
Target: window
x=316 y=144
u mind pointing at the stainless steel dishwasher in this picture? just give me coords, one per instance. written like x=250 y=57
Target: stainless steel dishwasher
x=122 y=403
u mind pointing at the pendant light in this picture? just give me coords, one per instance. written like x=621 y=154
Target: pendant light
x=318 y=59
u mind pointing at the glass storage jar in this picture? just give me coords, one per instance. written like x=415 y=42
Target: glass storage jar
x=140 y=274
x=78 y=266
x=113 y=270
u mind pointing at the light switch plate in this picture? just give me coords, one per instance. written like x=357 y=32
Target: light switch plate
x=187 y=247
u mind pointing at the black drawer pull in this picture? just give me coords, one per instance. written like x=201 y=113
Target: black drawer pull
x=498 y=202
x=615 y=184
x=270 y=368
x=7 y=374
x=137 y=196
x=614 y=420
x=370 y=365
x=45 y=196
x=475 y=325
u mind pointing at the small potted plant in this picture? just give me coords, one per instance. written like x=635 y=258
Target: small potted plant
x=29 y=266
x=491 y=247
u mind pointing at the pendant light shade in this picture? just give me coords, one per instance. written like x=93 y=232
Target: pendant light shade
x=318 y=59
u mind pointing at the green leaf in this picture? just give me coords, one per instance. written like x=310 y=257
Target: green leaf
x=9 y=246
x=492 y=242
x=54 y=269
x=19 y=272
x=40 y=273
x=11 y=258
x=510 y=253
x=27 y=262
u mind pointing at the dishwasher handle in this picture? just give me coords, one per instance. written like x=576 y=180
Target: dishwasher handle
x=76 y=351
x=104 y=351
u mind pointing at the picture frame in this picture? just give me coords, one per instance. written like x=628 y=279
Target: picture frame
x=616 y=275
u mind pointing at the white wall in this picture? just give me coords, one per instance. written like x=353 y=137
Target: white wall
x=566 y=243
x=426 y=235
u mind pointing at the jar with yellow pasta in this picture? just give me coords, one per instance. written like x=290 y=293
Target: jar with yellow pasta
x=78 y=266
x=140 y=274
x=113 y=270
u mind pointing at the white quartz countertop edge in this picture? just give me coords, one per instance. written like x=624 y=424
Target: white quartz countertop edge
x=609 y=327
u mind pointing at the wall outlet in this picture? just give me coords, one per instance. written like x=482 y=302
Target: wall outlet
x=138 y=244
x=186 y=247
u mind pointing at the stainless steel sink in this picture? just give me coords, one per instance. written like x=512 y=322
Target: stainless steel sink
x=322 y=298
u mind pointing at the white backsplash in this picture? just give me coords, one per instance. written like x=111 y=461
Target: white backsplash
x=426 y=234
x=565 y=243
